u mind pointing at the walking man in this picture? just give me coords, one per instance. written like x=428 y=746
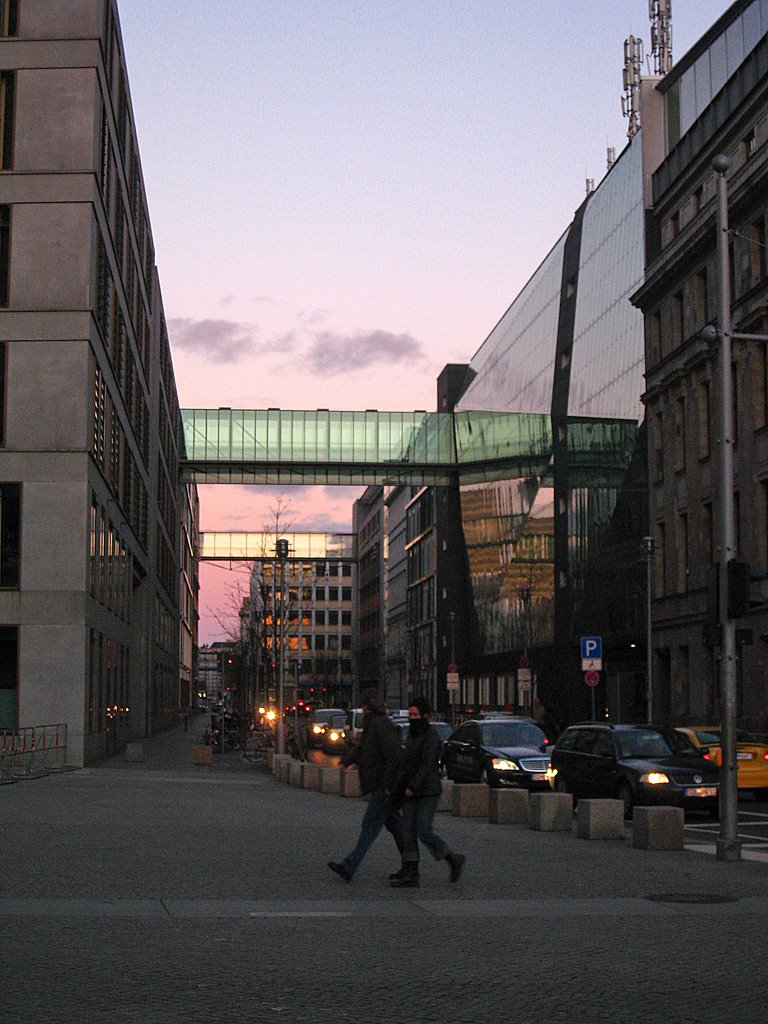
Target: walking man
x=422 y=788
x=378 y=757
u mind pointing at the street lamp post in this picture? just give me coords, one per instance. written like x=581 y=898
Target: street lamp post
x=648 y=549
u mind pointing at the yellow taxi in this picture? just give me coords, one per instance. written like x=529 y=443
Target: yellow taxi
x=751 y=755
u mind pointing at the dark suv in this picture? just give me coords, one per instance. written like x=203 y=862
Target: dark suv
x=639 y=764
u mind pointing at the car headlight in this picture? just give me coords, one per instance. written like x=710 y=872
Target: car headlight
x=501 y=764
x=316 y=729
x=655 y=778
x=551 y=772
x=334 y=736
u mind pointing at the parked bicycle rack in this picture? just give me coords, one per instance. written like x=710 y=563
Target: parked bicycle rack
x=33 y=751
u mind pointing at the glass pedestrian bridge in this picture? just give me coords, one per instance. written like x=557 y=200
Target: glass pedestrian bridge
x=215 y=546
x=278 y=446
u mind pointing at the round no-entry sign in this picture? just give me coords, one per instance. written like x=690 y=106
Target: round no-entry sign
x=592 y=678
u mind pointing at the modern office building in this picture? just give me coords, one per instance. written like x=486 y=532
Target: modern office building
x=304 y=606
x=715 y=102
x=369 y=528
x=96 y=530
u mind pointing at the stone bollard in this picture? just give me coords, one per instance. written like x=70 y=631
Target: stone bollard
x=134 y=752
x=280 y=764
x=550 y=812
x=294 y=773
x=203 y=755
x=310 y=775
x=470 y=800
x=508 y=806
x=350 y=782
x=330 y=779
x=600 y=819
x=446 y=797
x=658 y=828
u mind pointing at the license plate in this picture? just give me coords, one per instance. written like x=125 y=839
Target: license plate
x=539 y=776
x=744 y=755
x=701 y=791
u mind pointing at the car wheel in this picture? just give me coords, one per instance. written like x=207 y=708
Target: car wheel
x=561 y=786
x=624 y=793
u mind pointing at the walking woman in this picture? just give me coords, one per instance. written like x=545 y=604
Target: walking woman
x=422 y=787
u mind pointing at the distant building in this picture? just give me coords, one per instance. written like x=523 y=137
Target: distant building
x=368 y=525
x=96 y=533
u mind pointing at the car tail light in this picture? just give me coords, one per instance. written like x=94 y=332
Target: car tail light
x=707 y=756
x=765 y=756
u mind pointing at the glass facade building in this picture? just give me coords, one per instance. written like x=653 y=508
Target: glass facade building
x=570 y=347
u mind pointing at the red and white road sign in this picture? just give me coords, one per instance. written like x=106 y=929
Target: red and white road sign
x=592 y=678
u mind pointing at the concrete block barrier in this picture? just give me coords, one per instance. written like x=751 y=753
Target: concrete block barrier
x=550 y=812
x=310 y=775
x=280 y=764
x=330 y=778
x=600 y=819
x=350 y=782
x=203 y=754
x=446 y=797
x=270 y=757
x=134 y=752
x=470 y=800
x=658 y=828
x=508 y=806
x=294 y=773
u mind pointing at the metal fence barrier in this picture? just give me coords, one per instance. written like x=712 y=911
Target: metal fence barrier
x=33 y=751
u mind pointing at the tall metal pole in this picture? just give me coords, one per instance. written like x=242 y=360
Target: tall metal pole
x=281 y=548
x=728 y=846
x=648 y=548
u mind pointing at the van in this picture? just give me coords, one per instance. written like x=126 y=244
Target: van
x=354 y=725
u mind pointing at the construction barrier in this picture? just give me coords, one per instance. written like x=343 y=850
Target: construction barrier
x=33 y=751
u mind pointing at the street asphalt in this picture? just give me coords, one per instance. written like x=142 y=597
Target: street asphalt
x=167 y=892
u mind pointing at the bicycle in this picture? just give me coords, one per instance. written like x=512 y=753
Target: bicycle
x=255 y=743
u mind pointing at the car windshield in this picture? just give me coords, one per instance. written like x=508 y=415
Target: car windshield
x=708 y=737
x=652 y=743
x=512 y=734
x=443 y=729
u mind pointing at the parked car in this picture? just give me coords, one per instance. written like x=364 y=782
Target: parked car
x=502 y=752
x=751 y=756
x=354 y=725
x=639 y=764
x=316 y=722
x=333 y=738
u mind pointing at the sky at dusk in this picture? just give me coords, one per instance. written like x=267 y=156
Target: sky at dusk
x=345 y=196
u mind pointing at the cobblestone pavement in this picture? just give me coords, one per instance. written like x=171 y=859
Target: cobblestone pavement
x=162 y=892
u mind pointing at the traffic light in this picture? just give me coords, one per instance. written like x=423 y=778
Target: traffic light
x=747 y=588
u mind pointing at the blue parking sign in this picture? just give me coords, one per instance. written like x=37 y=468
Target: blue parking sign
x=591 y=647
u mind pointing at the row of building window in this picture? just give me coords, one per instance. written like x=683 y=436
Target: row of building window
x=321 y=618
x=309 y=642
x=111 y=564
x=332 y=594
x=9 y=17
x=114 y=456
x=7 y=105
x=165 y=629
x=109 y=691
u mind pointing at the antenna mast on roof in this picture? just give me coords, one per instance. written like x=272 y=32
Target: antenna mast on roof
x=660 y=12
x=630 y=101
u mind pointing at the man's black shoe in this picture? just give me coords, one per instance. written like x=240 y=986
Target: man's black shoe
x=410 y=880
x=455 y=863
x=340 y=870
x=400 y=874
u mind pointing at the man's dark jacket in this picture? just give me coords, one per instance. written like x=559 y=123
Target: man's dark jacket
x=378 y=755
x=421 y=772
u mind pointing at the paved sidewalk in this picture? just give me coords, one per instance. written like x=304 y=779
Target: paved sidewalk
x=163 y=891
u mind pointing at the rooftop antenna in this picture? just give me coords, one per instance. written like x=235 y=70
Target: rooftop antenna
x=633 y=64
x=611 y=157
x=660 y=13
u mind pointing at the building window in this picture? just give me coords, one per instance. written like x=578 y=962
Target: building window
x=660 y=561
x=5 y=249
x=680 y=436
x=7 y=88
x=658 y=448
x=10 y=534
x=682 y=553
x=702 y=298
x=749 y=144
x=758 y=359
x=2 y=393
x=705 y=420
x=677 y=320
x=758 y=252
x=674 y=224
x=653 y=326
x=707 y=535
x=9 y=676
x=698 y=199
x=9 y=17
